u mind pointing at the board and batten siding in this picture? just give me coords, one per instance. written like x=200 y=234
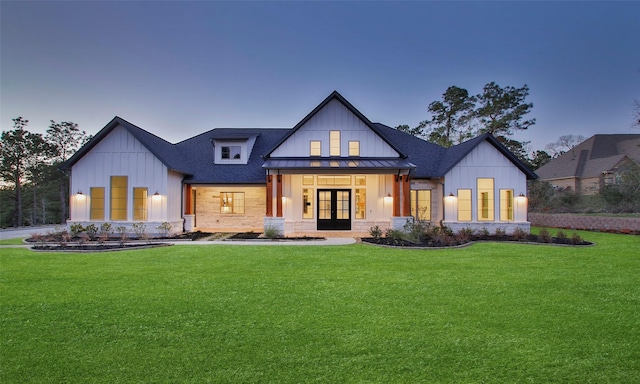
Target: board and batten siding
x=121 y=154
x=485 y=161
x=335 y=116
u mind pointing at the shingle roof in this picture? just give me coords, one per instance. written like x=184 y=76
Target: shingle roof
x=194 y=157
x=597 y=154
x=162 y=149
x=198 y=154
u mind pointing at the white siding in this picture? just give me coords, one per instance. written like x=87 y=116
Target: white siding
x=335 y=116
x=487 y=162
x=120 y=154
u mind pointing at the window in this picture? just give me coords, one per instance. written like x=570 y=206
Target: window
x=361 y=203
x=315 y=148
x=334 y=180
x=485 y=199
x=421 y=204
x=506 y=205
x=232 y=202
x=464 y=205
x=354 y=148
x=307 y=203
x=230 y=152
x=140 y=204
x=97 y=203
x=118 y=198
x=334 y=143
x=307 y=180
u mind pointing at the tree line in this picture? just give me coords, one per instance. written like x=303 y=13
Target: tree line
x=32 y=189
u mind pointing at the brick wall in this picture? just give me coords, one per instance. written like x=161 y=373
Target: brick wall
x=600 y=223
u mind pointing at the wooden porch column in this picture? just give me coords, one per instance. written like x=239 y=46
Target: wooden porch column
x=279 y=196
x=187 y=200
x=269 y=212
x=406 y=196
x=396 y=196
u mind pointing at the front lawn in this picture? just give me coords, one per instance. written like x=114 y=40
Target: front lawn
x=222 y=313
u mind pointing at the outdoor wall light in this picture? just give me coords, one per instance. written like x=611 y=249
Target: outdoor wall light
x=79 y=192
x=388 y=198
x=156 y=194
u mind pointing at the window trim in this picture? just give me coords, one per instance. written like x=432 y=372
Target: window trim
x=229 y=205
x=334 y=143
x=313 y=153
x=416 y=207
x=489 y=209
x=140 y=212
x=354 y=148
x=118 y=214
x=94 y=206
x=469 y=208
x=507 y=212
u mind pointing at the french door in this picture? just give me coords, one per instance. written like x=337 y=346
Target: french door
x=334 y=209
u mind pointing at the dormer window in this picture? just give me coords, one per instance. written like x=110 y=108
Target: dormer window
x=229 y=152
x=233 y=150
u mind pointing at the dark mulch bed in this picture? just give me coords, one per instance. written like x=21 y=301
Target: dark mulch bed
x=96 y=247
x=435 y=243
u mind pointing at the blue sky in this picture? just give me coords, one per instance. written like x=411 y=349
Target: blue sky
x=179 y=68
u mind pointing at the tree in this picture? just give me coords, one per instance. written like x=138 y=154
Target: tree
x=65 y=138
x=450 y=118
x=564 y=144
x=417 y=131
x=20 y=150
x=538 y=159
x=636 y=114
x=501 y=110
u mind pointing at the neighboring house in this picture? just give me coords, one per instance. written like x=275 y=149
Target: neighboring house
x=334 y=171
x=592 y=164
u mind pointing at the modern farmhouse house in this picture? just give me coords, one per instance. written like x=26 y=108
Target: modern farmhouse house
x=335 y=171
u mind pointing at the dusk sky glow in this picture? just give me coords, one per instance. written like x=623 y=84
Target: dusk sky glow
x=180 y=68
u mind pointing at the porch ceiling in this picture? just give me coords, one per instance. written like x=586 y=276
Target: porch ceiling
x=339 y=164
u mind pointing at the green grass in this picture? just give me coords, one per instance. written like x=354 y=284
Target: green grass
x=17 y=241
x=228 y=314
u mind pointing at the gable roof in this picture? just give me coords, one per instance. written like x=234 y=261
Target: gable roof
x=194 y=157
x=592 y=157
x=456 y=153
x=335 y=96
x=159 y=147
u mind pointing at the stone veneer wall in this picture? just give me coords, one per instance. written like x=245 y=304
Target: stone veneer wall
x=600 y=223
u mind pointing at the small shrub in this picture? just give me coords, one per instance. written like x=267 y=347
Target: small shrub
x=484 y=233
x=394 y=235
x=500 y=232
x=106 y=229
x=271 y=232
x=40 y=238
x=545 y=235
x=561 y=235
x=139 y=229
x=122 y=234
x=64 y=238
x=83 y=238
x=164 y=228
x=416 y=231
x=375 y=232
x=91 y=230
x=464 y=235
x=102 y=237
x=76 y=229
x=519 y=234
x=576 y=239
